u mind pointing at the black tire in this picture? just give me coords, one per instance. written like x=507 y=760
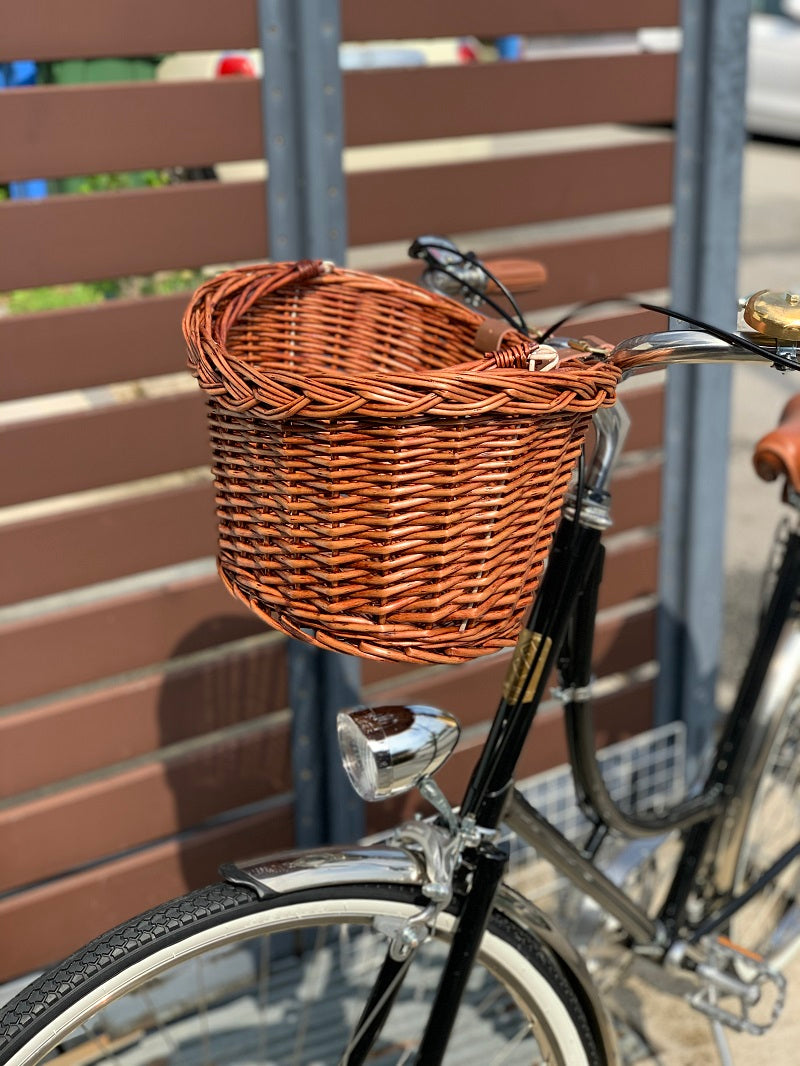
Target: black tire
x=104 y=997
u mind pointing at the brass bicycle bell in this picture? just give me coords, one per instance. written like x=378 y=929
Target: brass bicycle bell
x=774 y=314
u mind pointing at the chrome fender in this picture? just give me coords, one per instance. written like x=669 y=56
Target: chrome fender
x=336 y=866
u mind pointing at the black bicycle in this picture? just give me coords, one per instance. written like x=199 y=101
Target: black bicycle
x=413 y=949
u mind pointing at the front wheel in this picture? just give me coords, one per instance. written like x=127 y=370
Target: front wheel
x=222 y=977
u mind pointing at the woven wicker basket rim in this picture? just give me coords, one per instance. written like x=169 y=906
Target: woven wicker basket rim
x=501 y=382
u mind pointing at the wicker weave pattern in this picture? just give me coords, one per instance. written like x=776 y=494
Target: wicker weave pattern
x=382 y=488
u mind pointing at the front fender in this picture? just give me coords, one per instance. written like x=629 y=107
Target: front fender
x=382 y=864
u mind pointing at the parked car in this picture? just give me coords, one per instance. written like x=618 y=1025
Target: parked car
x=773 y=83
x=772 y=104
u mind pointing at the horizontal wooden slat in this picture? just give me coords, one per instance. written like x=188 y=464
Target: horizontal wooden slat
x=646 y=409
x=95 y=28
x=154 y=800
x=109 y=445
x=390 y=205
x=630 y=571
x=636 y=496
x=89 y=642
x=123 y=340
x=77 y=348
x=58 y=131
x=143 y=629
x=617 y=717
x=65 y=738
x=44 y=924
x=149 y=27
x=135 y=807
x=99 y=543
x=471 y=690
x=590 y=268
x=113 y=234
x=366 y=20
x=140 y=231
x=392 y=105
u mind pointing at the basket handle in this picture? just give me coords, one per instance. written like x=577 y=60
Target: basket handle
x=208 y=359
x=284 y=275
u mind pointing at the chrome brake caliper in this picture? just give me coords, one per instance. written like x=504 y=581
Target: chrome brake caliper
x=441 y=849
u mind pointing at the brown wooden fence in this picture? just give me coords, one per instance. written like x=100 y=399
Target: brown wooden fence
x=145 y=732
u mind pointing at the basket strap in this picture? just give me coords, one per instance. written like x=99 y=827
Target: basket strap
x=490 y=335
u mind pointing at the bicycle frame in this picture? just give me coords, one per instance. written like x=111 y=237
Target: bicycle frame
x=559 y=631
x=573 y=604
x=558 y=634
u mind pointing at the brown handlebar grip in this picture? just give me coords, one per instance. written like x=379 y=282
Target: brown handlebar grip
x=778 y=453
x=518 y=275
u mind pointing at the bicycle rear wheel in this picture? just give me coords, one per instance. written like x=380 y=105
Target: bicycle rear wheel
x=221 y=977
x=770 y=923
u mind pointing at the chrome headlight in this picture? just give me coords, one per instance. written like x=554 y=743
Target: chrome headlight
x=389 y=750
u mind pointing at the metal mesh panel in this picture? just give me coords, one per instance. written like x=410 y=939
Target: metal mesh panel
x=646 y=772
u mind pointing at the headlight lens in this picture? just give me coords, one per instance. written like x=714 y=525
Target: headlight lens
x=357 y=757
x=389 y=750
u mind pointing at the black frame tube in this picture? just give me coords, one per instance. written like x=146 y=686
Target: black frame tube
x=489 y=866
x=571 y=561
x=721 y=917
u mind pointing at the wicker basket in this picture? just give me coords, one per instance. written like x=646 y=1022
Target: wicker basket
x=382 y=487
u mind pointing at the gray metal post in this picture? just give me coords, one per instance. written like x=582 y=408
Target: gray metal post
x=303 y=128
x=710 y=139
x=303 y=135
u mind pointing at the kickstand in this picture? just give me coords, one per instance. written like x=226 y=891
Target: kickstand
x=721 y=1040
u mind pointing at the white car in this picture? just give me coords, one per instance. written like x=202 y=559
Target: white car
x=773 y=76
x=772 y=104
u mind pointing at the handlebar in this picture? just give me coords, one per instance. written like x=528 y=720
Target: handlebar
x=518 y=275
x=654 y=351
x=774 y=317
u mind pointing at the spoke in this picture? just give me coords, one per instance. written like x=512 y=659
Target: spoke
x=512 y=1045
x=309 y=999
x=262 y=994
x=103 y=1045
x=354 y=1039
x=203 y=1002
x=163 y=1032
